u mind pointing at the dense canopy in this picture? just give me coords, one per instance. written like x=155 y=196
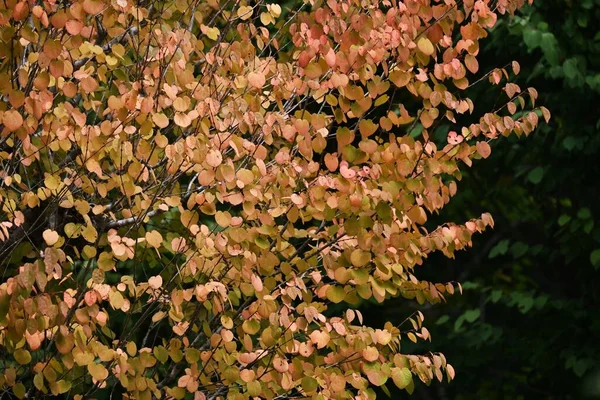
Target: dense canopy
x=196 y=194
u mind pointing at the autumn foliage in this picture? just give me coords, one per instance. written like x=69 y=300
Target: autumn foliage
x=197 y=194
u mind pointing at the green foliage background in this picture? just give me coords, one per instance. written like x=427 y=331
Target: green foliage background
x=528 y=324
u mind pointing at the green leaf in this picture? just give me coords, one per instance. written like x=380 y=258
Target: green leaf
x=360 y=258
x=472 y=315
x=589 y=225
x=262 y=242
x=442 y=320
x=499 y=249
x=458 y=323
x=535 y=175
x=580 y=367
x=309 y=384
x=384 y=211
x=569 y=143
x=251 y=326
x=386 y=391
x=375 y=373
x=563 y=220
x=402 y=377
x=525 y=304
x=541 y=301
x=549 y=46
x=570 y=68
x=411 y=387
x=161 y=354
x=532 y=38
x=595 y=258
x=496 y=296
x=416 y=131
x=254 y=388
x=584 y=213
x=519 y=249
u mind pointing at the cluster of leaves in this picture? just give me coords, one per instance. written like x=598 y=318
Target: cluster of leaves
x=530 y=306
x=187 y=187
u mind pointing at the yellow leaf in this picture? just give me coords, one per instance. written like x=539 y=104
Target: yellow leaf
x=244 y=12
x=52 y=182
x=213 y=33
x=89 y=252
x=72 y=230
x=425 y=46
x=89 y=233
x=82 y=357
x=160 y=120
x=161 y=141
x=223 y=218
x=154 y=239
x=116 y=300
x=131 y=349
x=38 y=381
x=60 y=387
x=360 y=258
x=274 y=9
x=98 y=371
x=105 y=261
x=335 y=294
x=19 y=390
x=400 y=78
x=22 y=356
x=402 y=377
x=412 y=337
x=251 y=327
x=181 y=104
x=266 y=19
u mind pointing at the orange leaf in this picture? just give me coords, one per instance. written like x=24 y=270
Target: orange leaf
x=160 y=120
x=93 y=7
x=12 y=120
x=52 y=48
x=50 y=236
x=89 y=84
x=256 y=79
x=471 y=63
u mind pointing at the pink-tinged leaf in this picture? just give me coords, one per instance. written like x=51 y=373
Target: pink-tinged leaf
x=450 y=372
x=256 y=79
x=346 y=172
x=516 y=67
x=330 y=58
x=455 y=138
x=484 y=149
x=545 y=114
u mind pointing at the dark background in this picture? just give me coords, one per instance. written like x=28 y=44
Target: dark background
x=528 y=323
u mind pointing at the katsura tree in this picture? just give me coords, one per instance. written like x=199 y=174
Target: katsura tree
x=197 y=195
